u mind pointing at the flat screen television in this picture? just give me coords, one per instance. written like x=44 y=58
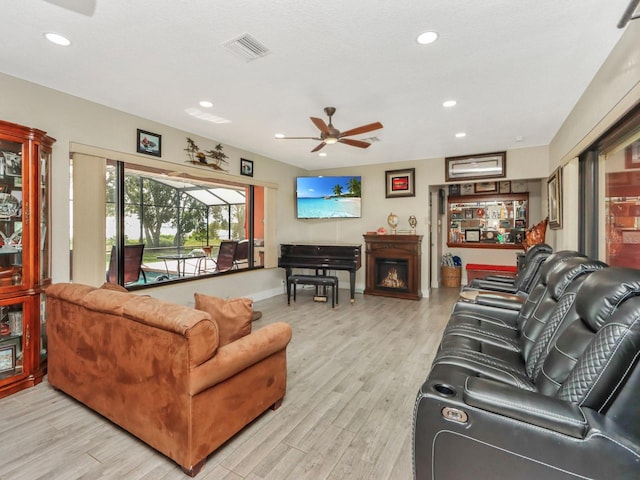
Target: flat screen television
x=328 y=197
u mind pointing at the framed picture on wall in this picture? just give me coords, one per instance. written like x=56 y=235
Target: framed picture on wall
x=554 y=195
x=149 y=143
x=504 y=186
x=400 y=183
x=246 y=167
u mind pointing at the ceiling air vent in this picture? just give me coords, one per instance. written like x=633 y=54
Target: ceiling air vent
x=247 y=48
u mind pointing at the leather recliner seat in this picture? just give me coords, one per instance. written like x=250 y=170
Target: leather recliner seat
x=526 y=278
x=490 y=308
x=578 y=418
x=515 y=355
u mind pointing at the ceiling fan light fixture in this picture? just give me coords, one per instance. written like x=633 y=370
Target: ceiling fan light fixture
x=330 y=140
x=426 y=38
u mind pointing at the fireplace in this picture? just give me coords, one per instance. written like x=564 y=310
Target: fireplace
x=392 y=274
x=393 y=265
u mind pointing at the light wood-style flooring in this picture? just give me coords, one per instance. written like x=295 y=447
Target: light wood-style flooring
x=353 y=376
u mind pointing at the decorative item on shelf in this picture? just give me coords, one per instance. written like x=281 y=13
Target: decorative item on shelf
x=535 y=234
x=199 y=157
x=9 y=205
x=413 y=221
x=392 y=220
x=381 y=231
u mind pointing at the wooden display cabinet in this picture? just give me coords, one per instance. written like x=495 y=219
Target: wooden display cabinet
x=488 y=221
x=25 y=156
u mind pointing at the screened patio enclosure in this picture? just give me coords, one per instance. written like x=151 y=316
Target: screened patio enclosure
x=180 y=222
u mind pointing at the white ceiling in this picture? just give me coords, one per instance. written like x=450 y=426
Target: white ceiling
x=516 y=68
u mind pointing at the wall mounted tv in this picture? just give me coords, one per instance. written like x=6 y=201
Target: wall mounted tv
x=328 y=197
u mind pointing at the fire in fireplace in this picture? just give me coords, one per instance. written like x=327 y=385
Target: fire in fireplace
x=392 y=274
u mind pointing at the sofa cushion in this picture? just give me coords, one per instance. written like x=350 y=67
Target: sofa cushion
x=233 y=316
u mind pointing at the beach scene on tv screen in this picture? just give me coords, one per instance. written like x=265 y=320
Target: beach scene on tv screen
x=328 y=197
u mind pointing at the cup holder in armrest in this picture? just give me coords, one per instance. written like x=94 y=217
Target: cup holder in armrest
x=444 y=390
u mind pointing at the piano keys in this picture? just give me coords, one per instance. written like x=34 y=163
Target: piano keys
x=322 y=256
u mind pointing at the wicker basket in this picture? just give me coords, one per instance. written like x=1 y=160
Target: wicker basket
x=451 y=276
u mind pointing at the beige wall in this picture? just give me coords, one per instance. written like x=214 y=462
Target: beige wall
x=613 y=92
x=69 y=119
x=73 y=120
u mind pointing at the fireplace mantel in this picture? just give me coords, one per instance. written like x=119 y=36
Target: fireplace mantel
x=397 y=257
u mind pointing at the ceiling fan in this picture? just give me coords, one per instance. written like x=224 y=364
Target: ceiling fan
x=330 y=135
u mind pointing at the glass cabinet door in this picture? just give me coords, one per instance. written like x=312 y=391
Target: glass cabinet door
x=45 y=260
x=11 y=272
x=12 y=335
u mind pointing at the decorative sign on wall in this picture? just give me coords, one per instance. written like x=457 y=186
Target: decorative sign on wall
x=199 y=157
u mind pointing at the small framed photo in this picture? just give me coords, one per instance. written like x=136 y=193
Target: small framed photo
x=400 y=183
x=504 y=186
x=472 y=235
x=486 y=187
x=149 y=143
x=454 y=189
x=246 y=167
x=7 y=358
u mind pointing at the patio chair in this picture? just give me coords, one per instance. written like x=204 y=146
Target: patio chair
x=241 y=257
x=132 y=264
x=226 y=255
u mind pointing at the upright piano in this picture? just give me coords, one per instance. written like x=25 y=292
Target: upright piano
x=322 y=256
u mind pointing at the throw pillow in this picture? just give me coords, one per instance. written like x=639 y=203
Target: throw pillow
x=233 y=316
x=114 y=287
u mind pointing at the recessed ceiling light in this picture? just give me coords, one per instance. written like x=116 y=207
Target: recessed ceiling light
x=57 y=39
x=427 y=38
x=279 y=135
x=322 y=154
x=519 y=139
x=461 y=135
x=449 y=103
x=206 y=104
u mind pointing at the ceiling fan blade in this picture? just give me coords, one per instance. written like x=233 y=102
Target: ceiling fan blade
x=322 y=126
x=318 y=147
x=362 y=129
x=355 y=143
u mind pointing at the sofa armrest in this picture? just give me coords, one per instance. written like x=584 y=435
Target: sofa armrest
x=496 y=301
x=500 y=278
x=236 y=356
x=496 y=286
x=530 y=407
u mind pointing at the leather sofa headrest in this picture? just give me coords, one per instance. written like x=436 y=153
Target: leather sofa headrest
x=604 y=291
x=554 y=261
x=568 y=270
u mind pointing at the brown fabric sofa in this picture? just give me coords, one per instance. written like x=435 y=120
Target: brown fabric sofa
x=156 y=369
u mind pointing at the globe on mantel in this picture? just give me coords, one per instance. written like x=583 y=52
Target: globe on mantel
x=392 y=220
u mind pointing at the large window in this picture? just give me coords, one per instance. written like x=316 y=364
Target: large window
x=163 y=228
x=610 y=199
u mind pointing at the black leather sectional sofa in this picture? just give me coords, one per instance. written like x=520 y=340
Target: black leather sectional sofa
x=544 y=385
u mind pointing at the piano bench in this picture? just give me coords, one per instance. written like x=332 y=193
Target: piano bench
x=317 y=280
